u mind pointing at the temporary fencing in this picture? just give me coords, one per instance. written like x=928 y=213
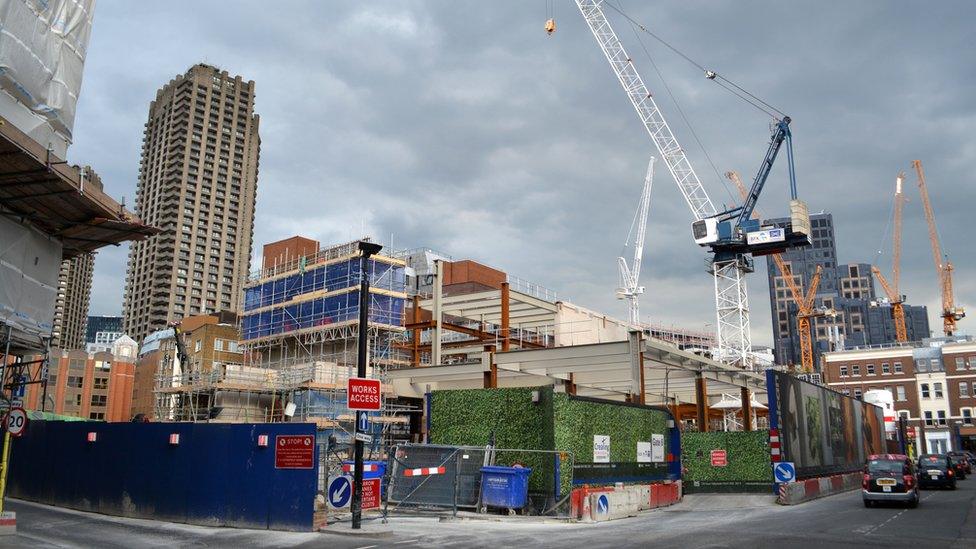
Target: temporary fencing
x=438 y=476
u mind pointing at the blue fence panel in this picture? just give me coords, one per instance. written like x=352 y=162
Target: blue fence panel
x=216 y=476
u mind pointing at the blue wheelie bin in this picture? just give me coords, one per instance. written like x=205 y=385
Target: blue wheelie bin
x=505 y=486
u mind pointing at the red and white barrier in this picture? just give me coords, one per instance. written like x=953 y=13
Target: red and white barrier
x=367 y=468
x=621 y=501
x=805 y=490
x=775 y=453
x=424 y=471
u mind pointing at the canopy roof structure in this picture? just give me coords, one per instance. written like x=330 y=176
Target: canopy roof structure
x=615 y=370
x=59 y=199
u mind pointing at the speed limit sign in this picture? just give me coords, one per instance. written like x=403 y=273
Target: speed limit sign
x=16 y=421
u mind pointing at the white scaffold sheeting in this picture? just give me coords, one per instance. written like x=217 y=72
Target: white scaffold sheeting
x=29 y=264
x=43 y=44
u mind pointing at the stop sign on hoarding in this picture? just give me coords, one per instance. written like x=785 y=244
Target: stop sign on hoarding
x=363 y=394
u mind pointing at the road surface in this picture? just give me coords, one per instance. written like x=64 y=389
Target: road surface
x=944 y=519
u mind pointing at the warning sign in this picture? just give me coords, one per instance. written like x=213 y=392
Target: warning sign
x=363 y=394
x=294 y=451
x=371 y=493
x=719 y=458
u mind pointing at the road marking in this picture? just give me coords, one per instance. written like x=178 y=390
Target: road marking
x=366 y=547
x=902 y=512
x=406 y=541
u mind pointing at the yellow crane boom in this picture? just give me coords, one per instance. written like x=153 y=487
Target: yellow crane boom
x=950 y=313
x=897 y=300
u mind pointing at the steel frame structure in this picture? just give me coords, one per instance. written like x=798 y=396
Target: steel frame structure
x=731 y=298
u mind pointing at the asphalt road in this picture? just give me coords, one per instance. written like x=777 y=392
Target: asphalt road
x=944 y=519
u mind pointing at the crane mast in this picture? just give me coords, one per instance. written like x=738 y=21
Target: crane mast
x=630 y=288
x=950 y=313
x=731 y=298
x=897 y=300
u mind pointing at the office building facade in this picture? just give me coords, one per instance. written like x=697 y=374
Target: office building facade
x=198 y=182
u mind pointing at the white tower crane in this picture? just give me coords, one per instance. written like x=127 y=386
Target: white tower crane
x=731 y=300
x=630 y=288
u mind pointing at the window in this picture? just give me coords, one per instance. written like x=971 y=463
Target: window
x=900 y=393
x=75 y=381
x=937 y=388
x=97 y=415
x=936 y=365
x=100 y=383
x=967 y=416
x=942 y=417
x=898 y=368
x=843 y=371
x=856 y=370
x=870 y=369
x=921 y=365
x=885 y=368
x=960 y=363
x=928 y=418
x=972 y=363
x=197 y=346
x=925 y=390
x=857 y=394
x=904 y=413
x=99 y=400
x=963 y=390
x=847 y=392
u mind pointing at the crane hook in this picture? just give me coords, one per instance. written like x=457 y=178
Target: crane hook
x=550 y=26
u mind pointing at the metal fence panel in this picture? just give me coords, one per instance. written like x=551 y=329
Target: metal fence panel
x=461 y=465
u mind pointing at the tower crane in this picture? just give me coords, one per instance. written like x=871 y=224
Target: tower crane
x=897 y=300
x=630 y=288
x=732 y=235
x=804 y=303
x=950 y=313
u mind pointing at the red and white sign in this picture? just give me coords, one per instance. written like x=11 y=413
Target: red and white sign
x=719 y=458
x=363 y=394
x=16 y=421
x=371 y=493
x=294 y=451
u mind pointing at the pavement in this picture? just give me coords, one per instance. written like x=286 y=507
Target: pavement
x=945 y=518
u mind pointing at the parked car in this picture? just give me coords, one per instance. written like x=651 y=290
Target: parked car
x=936 y=470
x=960 y=464
x=966 y=459
x=890 y=477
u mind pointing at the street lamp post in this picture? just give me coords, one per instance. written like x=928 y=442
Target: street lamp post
x=366 y=250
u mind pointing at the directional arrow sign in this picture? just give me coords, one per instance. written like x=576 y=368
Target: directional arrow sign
x=784 y=472
x=362 y=422
x=340 y=492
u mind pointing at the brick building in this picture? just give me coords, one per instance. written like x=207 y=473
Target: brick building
x=933 y=384
x=88 y=385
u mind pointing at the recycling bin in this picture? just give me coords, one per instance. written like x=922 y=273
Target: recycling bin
x=505 y=486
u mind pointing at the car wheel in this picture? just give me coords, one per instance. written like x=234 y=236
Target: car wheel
x=952 y=486
x=868 y=503
x=914 y=503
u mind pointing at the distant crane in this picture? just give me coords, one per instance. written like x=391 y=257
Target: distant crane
x=804 y=303
x=630 y=288
x=897 y=300
x=950 y=313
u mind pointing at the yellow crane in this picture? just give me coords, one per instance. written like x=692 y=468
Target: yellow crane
x=804 y=303
x=897 y=300
x=950 y=313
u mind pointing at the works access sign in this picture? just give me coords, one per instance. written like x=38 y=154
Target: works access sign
x=363 y=394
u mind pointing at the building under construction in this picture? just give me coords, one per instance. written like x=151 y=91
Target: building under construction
x=299 y=326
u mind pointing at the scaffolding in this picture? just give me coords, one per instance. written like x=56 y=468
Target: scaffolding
x=299 y=327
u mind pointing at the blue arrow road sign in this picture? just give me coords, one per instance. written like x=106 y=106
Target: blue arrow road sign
x=362 y=422
x=784 y=472
x=603 y=504
x=340 y=491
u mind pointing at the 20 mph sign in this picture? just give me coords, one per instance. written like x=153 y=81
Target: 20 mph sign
x=16 y=421
x=363 y=394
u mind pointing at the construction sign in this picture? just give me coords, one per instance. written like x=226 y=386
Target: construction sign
x=294 y=452
x=363 y=394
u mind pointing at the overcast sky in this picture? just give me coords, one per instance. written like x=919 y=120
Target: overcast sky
x=462 y=127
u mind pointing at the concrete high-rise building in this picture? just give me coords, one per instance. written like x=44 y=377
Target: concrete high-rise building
x=198 y=182
x=71 y=305
x=860 y=316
